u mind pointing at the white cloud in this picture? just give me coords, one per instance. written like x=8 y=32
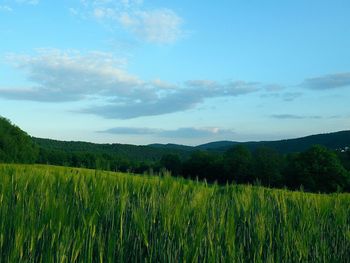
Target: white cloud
x=104 y=13
x=158 y=25
x=161 y=84
x=161 y=26
x=73 y=76
x=174 y=100
x=59 y=76
x=187 y=132
x=204 y=83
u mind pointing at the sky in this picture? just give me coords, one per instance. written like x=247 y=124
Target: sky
x=186 y=72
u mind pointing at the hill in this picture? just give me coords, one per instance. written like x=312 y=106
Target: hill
x=127 y=151
x=155 y=151
x=219 y=145
x=172 y=146
x=15 y=144
x=333 y=141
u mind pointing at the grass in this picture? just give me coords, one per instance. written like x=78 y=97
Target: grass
x=57 y=214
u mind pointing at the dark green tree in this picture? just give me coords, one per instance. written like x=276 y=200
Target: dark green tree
x=172 y=163
x=16 y=145
x=238 y=162
x=204 y=165
x=268 y=165
x=319 y=170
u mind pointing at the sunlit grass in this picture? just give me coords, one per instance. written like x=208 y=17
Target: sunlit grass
x=56 y=214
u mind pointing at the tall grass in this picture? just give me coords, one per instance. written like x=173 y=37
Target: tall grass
x=53 y=214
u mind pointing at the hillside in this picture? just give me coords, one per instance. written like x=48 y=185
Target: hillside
x=333 y=141
x=128 y=151
x=154 y=152
x=80 y=215
x=15 y=144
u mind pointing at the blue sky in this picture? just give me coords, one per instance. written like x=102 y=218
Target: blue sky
x=190 y=72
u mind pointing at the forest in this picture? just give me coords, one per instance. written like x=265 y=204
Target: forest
x=316 y=169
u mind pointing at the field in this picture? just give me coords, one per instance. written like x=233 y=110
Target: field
x=57 y=214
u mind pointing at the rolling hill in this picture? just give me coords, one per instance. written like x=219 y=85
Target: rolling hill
x=335 y=140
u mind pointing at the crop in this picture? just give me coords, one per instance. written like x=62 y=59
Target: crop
x=60 y=214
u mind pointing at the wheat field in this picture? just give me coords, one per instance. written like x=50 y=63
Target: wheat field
x=58 y=214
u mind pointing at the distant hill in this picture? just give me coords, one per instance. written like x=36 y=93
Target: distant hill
x=218 y=145
x=154 y=152
x=134 y=152
x=172 y=146
x=335 y=140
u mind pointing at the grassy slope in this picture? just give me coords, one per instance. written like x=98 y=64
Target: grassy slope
x=62 y=214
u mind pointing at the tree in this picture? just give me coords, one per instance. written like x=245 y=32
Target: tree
x=238 y=163
x=15 y=144
x=267 y=166
x=318 y=169
x=172 y=163
x=204 y=165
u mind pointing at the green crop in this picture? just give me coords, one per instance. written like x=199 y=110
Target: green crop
x=57 y=214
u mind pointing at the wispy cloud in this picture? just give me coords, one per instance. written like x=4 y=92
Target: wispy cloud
x=188 y=132
x=326 y=82
x=72 y=76
x=161 y=26
x=274 y=87
x=290 y=96
x=197 y=133
x=161 y=84
x=5 y=8
x=295 y=117
x=131 y=131
x=286 y=96
x=158 y=25
x=8 y=6
x=175 y=100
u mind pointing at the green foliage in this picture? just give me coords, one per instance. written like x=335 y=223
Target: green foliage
x=332 y=141
x=53 y=214
x=172 y=163
x=238 y=163
x=113 y=151
x=204 y=165
x=318 y=169
x=15 y=144
x=268 y=166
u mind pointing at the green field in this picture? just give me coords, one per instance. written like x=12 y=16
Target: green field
x=56 y=214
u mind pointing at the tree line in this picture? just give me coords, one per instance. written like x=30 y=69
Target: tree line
x=316 y=169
